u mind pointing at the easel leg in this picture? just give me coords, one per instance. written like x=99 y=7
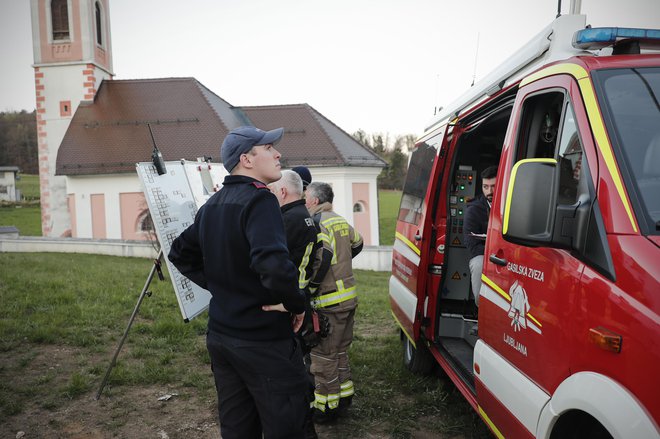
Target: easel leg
x=154 y=268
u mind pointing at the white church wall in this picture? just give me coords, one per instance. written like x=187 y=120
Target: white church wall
x=109 y=185
x=82 y=187
x=341 y=179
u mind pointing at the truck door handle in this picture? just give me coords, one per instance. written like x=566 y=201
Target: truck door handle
x=499 y=261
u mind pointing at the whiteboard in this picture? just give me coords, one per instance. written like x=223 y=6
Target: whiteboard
x=173 y=200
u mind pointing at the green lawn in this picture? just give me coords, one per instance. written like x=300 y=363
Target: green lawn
x=26 y=218
x=29 y=186
x=25 y=215
x=63 y=315
x=388 y=210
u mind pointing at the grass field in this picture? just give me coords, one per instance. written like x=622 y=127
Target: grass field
x=388 y=210
x=25 y=215
x=63 y=315
x=29 y=186
x=26 y=218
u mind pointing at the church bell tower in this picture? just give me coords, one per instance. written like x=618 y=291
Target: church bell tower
x=72 y=55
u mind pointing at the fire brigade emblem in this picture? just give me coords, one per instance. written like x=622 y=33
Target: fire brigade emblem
x=519 y=307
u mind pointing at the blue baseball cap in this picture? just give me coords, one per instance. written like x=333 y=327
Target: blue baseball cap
x=242 y=139
x=305 y=175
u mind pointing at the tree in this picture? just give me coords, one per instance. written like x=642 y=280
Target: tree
x=394 y=152
x=18 y=141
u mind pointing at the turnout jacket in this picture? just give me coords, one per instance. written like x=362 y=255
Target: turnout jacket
x=340 y=244
x=236 y=249
x=476 y=221
x=301 y=239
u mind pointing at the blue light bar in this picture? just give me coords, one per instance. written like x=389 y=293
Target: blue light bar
x=599 y=37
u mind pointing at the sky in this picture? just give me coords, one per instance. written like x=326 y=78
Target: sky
x=377 y=65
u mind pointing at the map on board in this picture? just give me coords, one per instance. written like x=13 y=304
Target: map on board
x=173 y=200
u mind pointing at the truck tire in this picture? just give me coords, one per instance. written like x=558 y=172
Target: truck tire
x=417 y=360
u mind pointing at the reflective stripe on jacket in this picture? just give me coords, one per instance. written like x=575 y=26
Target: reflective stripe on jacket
x=338 y=236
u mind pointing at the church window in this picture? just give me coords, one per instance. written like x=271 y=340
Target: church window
x=60 y=19
x=99 y=30
x=144 y=222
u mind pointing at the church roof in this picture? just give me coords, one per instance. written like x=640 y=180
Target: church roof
x=311 y=139
x=111 y=134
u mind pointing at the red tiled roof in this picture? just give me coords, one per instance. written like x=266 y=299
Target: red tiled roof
x=111 y=134
x=311 y=139
x=188 y=121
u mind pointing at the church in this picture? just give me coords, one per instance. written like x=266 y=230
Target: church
x=92 y=129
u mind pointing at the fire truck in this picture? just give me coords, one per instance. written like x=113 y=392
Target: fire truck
x=565 y=339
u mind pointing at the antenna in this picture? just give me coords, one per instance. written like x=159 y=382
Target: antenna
x=558 y=9
x=156 y=156
x=437 y=92
x=476 y=56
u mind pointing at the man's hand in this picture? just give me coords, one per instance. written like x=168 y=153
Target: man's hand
x=279 y=307
x=296 y=319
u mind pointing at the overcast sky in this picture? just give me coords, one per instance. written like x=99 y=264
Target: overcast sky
x=380 y=66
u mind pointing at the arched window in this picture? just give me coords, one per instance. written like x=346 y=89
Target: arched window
x=59 y=13
x=99 y=22
x=358 y=207
x=144 y=222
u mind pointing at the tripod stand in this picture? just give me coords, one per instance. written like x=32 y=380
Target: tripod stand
x=155 y=268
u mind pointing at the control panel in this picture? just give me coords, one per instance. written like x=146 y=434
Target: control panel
x=462 y=191
x=457 y=283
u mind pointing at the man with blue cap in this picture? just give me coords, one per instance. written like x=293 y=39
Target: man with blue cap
x=237 y=249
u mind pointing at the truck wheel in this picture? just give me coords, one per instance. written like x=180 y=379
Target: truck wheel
x=417 y=360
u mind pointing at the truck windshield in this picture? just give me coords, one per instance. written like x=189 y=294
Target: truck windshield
x=630 y=99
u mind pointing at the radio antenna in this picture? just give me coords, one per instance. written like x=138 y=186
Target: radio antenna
x=476 y=56
x=156 y=156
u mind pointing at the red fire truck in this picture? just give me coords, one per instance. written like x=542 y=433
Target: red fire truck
x=565 y=340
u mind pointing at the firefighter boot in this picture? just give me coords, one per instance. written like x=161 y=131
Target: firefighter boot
x=325 y=417
x=325 y=408
x=345 y=397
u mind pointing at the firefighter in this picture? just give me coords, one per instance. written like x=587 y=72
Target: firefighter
x=301 y=237
x=335 y=297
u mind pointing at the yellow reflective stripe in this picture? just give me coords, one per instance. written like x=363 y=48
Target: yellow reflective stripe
x=602 y=141
x=595 y=122
x=302 y=281
x=333 y=244
x=332 y=220
x=509 y=192
x=578 y=72
x=502 y=293
x=322 y=237
x=347 y=389
x=346 y=385
x=412 y=341
x=495 y=288
x=531 y=317
x=334 y=298
x=333 y=401
x=494 y=429
x=407 y=242
x=320 y=401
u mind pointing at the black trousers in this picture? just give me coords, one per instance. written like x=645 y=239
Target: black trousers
x=262 y=387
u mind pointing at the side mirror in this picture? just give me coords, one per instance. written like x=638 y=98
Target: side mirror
x=533 y=218
x=531 y=205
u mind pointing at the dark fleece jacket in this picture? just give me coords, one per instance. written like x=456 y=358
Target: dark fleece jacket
x=237 y=249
